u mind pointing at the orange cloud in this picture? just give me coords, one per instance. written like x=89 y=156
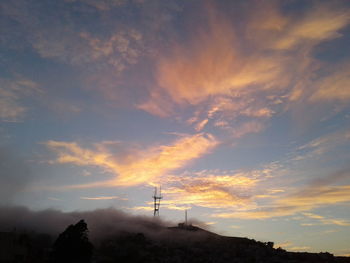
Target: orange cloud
x=334 y=87
x=211 y=70
x=211 y=189
x=321 y=23
x=319 y=196
x=267 y=69
x=145 y=208
x=145 y=166
x=318 y=193
x=298 y=248
x=215 y=67
x=201 y=125
x=327 y=221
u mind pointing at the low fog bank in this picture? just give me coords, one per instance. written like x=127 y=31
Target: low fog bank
x=102 y=223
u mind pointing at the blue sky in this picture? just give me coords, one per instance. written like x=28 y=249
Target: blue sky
x=238 y=109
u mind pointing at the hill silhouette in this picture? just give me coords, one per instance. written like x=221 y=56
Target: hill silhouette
x=187 y=243
x=45 y=236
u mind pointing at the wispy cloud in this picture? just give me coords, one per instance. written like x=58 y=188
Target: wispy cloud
x=231 y=74
x=209 y=190
x=284 y=244
x=12 y=92
x=102 y=5
x=212 y=189
x=299 y=248
x=327 y=221
x=142 y=208
x=74 y=43
x=145 y=166
x=322 y=23
x=318 y=193
x=211 y=71
x=292 y=247
x=120 y=50
x=322 y=145
x=228 y=77
x=103 y=198
x=102 y=56
x=333 y=87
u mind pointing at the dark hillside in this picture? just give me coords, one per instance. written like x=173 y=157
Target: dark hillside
x=193 y=244
x=108 y=235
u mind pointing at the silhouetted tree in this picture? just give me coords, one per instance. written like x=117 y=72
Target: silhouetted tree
x=73 y=245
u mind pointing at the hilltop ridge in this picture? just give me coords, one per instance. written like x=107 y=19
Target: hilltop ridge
x=119 y=237
x=189 y=243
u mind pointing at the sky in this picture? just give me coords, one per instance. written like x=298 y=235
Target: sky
x=239 y=110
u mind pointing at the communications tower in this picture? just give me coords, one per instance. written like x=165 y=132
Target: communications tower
x=156 y=199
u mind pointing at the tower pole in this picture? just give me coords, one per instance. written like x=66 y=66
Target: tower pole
x=156 y=199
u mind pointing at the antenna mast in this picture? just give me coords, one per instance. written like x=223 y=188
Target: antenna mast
x=156 y=199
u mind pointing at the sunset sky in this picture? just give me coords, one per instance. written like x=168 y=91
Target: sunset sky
x=238 y=109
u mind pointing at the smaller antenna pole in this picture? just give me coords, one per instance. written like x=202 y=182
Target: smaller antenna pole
x=155 y=201
x=186 y=217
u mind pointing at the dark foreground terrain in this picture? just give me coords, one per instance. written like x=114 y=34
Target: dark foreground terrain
x=174 y=244
x=192 y=244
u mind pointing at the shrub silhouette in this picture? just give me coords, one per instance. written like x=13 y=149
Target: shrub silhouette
x=73 y=245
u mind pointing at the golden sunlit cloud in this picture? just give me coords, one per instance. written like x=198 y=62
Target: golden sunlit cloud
x=318 y=193
x=145 y=166
x=144 y=208
x=211 y=189
x=319 y=24
x=215 y=67
x=328 y=221
x=284 y=244
x=219 y=190
x=213 y=71
x=292 y=247
x=302 y=248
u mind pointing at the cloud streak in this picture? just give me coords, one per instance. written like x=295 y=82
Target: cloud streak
x=320 y=24
x=140 y=166
x=12 y=92
x=218 y=190
x=323 y=145
x=103 y=198
x=327 y=221
x=318 y=193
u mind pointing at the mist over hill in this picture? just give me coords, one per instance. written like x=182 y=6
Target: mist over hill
x=119 y=237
